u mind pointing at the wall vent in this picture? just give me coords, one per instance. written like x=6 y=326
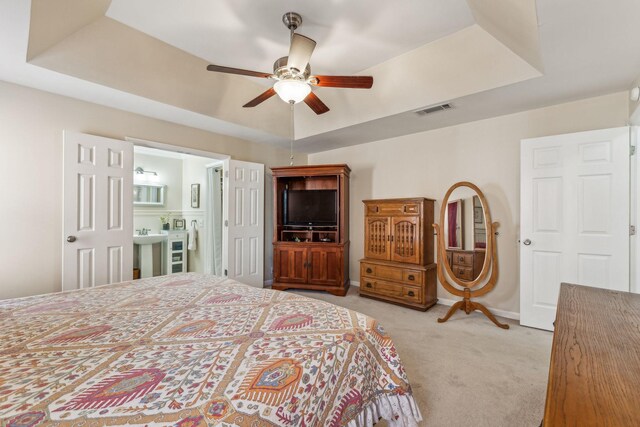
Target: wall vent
x=434 y=109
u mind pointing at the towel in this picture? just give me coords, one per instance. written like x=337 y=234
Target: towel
x=192 y=238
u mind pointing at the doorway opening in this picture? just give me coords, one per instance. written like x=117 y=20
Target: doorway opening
x=177 y=212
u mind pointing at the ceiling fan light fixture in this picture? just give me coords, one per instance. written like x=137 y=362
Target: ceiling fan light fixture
x=292 y=91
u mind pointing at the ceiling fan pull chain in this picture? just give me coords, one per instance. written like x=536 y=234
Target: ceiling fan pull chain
x=292 y=134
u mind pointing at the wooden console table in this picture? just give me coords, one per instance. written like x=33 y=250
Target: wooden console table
x=594 y=377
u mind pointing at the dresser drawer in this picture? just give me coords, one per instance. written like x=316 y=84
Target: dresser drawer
x=412 y=276
x=392 y=290
x=381 y=271
x=464 y=273
x=392 y=209
x=390 y=272
x=463 y=259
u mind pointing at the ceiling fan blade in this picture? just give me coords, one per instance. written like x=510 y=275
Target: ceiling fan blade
x=315 y=104
x=352 y=82
x=239 y=71
x=260 y=98
x=300 y=52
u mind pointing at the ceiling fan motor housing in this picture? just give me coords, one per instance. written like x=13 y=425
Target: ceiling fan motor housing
x=282 y=72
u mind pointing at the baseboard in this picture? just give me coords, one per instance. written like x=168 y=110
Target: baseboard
x=502 y=313
x=268 y=283
x=450 y=302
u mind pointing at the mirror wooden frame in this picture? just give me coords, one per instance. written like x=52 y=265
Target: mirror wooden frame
x=469 y=288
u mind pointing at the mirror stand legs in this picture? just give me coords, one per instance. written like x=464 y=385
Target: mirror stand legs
x=454 y=307
x=468 y=307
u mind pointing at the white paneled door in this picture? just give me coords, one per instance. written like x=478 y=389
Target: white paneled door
x=98 y=211
x=244 y=226
x=574 y=217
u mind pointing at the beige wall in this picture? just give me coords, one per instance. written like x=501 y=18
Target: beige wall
x=486 y=153
x=31 y=125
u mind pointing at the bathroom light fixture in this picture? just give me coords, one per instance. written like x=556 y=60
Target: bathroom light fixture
x=292 y=90
x=141 y=171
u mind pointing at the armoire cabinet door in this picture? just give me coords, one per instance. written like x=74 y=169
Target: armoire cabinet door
x=291 y=264
x=325 y=265
x=377 y=238
x=405 y=240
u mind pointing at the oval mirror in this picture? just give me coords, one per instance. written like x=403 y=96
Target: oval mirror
x=465 y=219
x=467 y=249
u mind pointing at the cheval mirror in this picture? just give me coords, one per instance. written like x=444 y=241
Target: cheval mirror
x=467 y=249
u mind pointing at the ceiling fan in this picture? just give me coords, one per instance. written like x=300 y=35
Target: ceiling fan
x=293 y=73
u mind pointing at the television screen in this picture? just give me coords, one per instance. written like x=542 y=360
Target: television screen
x=310 y=207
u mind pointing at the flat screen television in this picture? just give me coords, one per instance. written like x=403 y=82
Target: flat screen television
x=310 y=207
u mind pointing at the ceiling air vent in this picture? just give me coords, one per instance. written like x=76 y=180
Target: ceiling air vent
x=434 y=109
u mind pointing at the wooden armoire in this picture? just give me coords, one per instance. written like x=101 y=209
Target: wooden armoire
x=398 y=252
x=310 y=256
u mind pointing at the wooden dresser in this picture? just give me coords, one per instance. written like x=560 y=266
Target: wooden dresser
x=398 y=248
x=594 y=377
x=466 y=265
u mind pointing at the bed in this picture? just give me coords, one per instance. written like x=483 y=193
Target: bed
x=196 y=350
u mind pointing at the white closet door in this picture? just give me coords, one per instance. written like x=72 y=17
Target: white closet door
x=574 y=217
x=244 y=224
x=98 y=211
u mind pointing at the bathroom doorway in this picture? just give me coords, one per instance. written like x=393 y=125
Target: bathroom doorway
x=177 y=212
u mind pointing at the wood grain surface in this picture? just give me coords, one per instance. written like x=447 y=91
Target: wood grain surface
x=594 y=375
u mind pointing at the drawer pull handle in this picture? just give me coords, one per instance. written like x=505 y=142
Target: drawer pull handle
x=411 y=294
x=411 y=277
x=368 y=285
x=369 y=270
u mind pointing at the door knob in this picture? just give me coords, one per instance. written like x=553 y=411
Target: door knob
x=527 y=242
x=71 y=239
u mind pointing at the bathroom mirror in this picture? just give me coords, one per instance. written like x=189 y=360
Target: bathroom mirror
x=467 y=256
x=148 y=195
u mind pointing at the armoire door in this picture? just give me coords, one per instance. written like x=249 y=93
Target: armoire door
x=290 y=263
x=574 y=217
x=325 y=265
x=404 y=239
x=377 y=238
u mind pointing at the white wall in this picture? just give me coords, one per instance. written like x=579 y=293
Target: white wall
x=194 y=172
x=486 y=153
x=31 y=125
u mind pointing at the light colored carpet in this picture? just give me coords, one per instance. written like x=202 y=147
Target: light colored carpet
x=467 y=371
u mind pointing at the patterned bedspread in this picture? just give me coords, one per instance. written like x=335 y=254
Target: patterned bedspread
x=196 y=350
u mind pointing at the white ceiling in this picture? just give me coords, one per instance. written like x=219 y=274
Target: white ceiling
x=587 y=48
x=351 y=35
